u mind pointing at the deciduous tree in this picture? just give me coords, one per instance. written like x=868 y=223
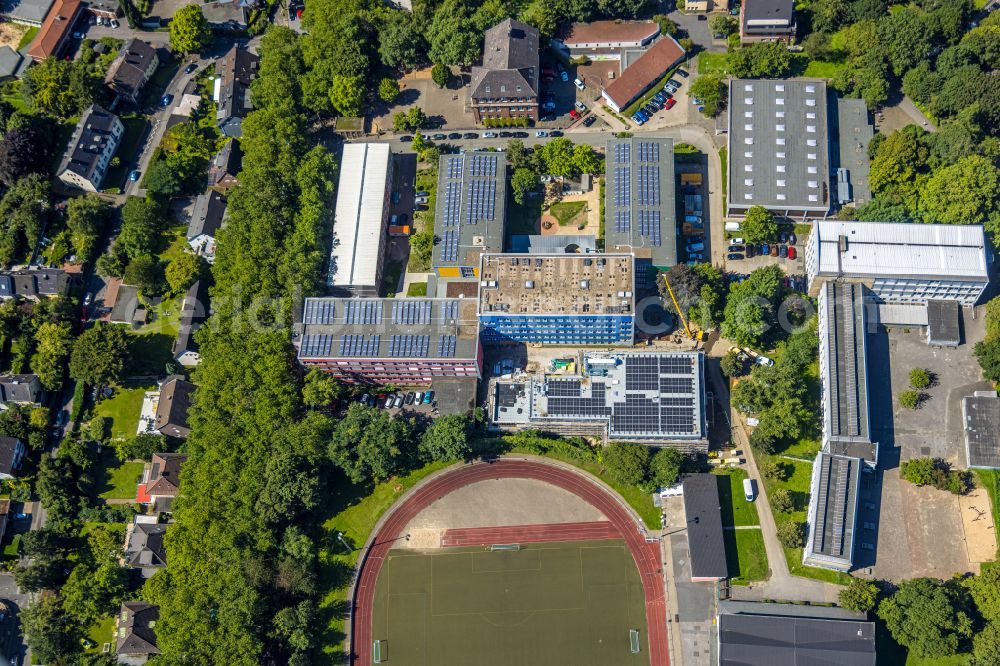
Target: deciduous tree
x=927 y=616
x=446 y=439
x=189 y=31
x=626 y=462
x=52 y=345
x=99 y=354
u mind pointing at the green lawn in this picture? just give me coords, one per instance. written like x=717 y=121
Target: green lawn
x=149 y=354
x=426 y=181
x=176 y=243
x=27 y=37
x=736 y=510
x=417 y=289
x=746 y=556
x=990 y=480
x=99 y=633
x=164 y=317
x=115 y=479
x=819 y=69
x=123 y=409
x=709 y=63
x=567 y=210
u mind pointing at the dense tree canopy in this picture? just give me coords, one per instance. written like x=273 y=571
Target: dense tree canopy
x=928 y=616
x=189 y=31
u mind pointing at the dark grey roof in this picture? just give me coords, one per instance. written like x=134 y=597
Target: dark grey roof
x=851 y=130
x=194 y=312
x=640 y=213
x=19 y=388
x=236 y=70
x=981 y=413
x=207 y=216
x=8 y=454
x=227 y=162
x=136 y=634
x=104 y=6
x=771 y=11
x=535 y=243
x=33 y=282
x=173 y=405
x=26 y=11
x=943 y=323
x=123 y=311
x=768 y=638
x=89 y=144
x=10 y=62
x=389 y=328
x=510 y=62
x=833 y=511
x=843 y=363
x=127 y=73
x=703 y=513
x=470 y=211
x=781 y=132
x=145 y=546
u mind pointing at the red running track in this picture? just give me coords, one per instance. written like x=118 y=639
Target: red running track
x=485 y=536
x=646 y=555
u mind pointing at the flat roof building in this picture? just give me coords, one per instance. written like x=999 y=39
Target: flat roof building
x=26 y=12
x=653 y=398
x=360 y=219
x=641 y=75
x=778 y=147
x=767 y=21
x=769 y=634
x=391 y=341
x=901 y=262
x=470 y=211
x=833 y=511
x=640 y=208
x=703 y=514
x=565 y=299
x=843 y=366
x=943 y=327
x=981 y=416
x=852 y=130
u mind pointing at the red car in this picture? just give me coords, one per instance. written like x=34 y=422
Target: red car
x=670 y=104
x=573 y=114
x=791 y=252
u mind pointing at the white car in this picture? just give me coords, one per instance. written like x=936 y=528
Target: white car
x=579 y=84
x=736 y=241
x=421 y=200
x=541 y=134
x=489 y=135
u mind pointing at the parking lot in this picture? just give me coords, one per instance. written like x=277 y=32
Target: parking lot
x=773 y=255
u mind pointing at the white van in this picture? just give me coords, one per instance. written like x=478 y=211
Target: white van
x=732 y=226
x=750 y=489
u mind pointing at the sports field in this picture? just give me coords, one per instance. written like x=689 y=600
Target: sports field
x=547 y=603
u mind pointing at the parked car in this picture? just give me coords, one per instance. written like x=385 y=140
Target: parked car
x=520 y=135
x=580 y=106
x=638 y=119
x=589 y=120
x=782 y=237
x=454 y=135
x=732 y=256
x=541 y=134
x=133 y=176
x=421 y=200
x=734 y=241
x=774 y=250
x=505 y=135
x=427 y=194
x=419 y=398
x=791 y=252
x=115 y=23
x=735 y=248
x=555 y=133
x=696 y=219
x=564 y=75
x=394 y=197
x=674 y=82
x=697 y=256
x=397 y=402
x=489 y=135
x=670 y=104
x=683 y=73
x=190 y=68
x=749 y=489
x=791 y=238
x=574 y=114
x=428 y=396
x=579 y=84
x=670 y=89
x=751 y=251
x=695 y=247
x=406 y=138
x=439 y=137
x=389 y=402
x=783 y=251
x=764 y=250
x=166 y=99
x=77 y=35
x=364 y=399
x=470 y=135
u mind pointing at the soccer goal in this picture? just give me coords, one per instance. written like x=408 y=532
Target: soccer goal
x=378 y=652
x=633 y=637
x=505 y=546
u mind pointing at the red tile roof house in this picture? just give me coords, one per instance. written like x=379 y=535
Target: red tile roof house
x=55 y=30
x=162 y=484
x=644 y=73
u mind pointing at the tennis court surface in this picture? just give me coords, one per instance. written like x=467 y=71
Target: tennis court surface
x=542 y=604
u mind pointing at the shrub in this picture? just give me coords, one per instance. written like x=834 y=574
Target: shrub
x=860 y=595
x=910 y=399
x=936 y=472
x=781 y=501
x=791 y=534
x=920 y=378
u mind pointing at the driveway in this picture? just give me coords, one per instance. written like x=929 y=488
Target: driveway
x=697 y=30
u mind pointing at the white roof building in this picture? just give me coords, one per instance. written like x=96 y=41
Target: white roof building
x=901 y=262
x=359 y=227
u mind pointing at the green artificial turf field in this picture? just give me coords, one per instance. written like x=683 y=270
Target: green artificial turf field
x=547 y=603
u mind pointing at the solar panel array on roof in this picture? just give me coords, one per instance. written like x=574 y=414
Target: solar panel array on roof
x=452 y=204
x=446 y=346
x=481 y=201
x=483 y=166
x=642 y=374
x=318 y=311
x=562 y=388
x=648 y=152
x=316 y=345
x=623 y=220
x=449 y=246
x=409 y=346
x=363 y=346
x=623 y=153
x=648 y=184
x=574 y=404
x=455 y=165
x=623 y=186
x=649 y=226
x=449 y=311
x=358 y=311
x=676 y=385
x=675 y=365
x=409 y=311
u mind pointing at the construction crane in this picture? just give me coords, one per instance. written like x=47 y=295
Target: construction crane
x=694 y=335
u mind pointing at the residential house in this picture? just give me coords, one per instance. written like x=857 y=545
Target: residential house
x=25 y=12
x=236 y=70
x=767 y=21
x=94 y=142
x=4 y=516
x=604 y=40
x=228 y=15
x=108 y=9
x=194 y=311
x=11 y=63
x=55 y=31
x=33 y=283
x=135 y=638
x=11 y=454
x=126 y=308
x=639 y=76
x=132 y=68
x=506 y=84
x=225 y=167
x=206 y=220
x=20 y=390
x=163 y=478
x=144 y=548
x=172 y=408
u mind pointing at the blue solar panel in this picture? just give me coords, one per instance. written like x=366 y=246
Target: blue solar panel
x=411 y=312
x=409 y=346
x=446 y=345
x=480 y=201
x=318 y=311
x=623 y=153
x=316 y=345
x=648 y=185
x=649 y=226
x=365 y=346
x=363 y=312
x=622 y=194
x=623 y=221
x=449 y=310
x=649 y=152
x=449 y=246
